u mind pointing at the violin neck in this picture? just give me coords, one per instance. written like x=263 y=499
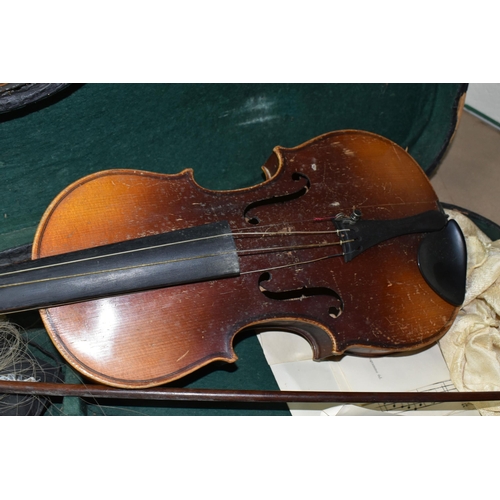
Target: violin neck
x=179 y=257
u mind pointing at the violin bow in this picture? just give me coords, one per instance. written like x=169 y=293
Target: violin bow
x=240 y=396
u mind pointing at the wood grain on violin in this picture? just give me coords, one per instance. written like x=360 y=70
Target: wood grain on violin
x=144 y=277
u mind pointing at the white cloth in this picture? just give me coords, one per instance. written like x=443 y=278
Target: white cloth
x=471 y=347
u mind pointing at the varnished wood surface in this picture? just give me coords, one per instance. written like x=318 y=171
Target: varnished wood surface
x=149 y=338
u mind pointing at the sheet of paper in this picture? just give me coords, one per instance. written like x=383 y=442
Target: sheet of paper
x=290 y=359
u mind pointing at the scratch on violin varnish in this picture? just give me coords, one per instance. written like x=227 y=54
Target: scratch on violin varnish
x=183 y=356
x=391 y=283
x=395 y=150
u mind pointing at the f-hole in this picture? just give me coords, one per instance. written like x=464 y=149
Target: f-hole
x=278 y=198
x=304 y=293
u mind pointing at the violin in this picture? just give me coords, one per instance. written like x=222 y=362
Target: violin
x=142 y=278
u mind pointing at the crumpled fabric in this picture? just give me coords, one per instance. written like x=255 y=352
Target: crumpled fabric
x=471 y=347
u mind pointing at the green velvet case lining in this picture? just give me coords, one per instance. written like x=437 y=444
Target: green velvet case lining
x=225 y=133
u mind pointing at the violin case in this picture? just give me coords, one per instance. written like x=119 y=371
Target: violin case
x=224 y=133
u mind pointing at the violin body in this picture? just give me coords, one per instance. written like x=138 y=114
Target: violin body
x=376 y=303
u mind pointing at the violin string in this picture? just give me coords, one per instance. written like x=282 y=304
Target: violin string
x=164 y=245
x=116 y=269
x=173 y=261
x=114 y=254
